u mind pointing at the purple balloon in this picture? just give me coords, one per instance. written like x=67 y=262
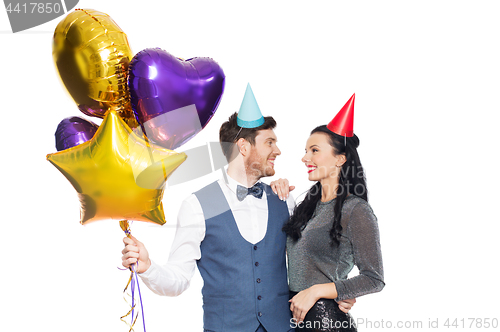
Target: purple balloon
x=173 y=99
x=74 y=131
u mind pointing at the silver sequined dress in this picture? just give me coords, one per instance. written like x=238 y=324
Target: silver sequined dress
x=312 y=260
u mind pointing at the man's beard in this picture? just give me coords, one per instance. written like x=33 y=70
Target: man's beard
x=257 y=166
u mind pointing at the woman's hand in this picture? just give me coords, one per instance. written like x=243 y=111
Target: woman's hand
x=302 y=302
x=282 y=188
x=346 y=305
x=135 y=252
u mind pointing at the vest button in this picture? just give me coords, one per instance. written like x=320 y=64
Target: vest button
x=260 y=314
x=256 y=263
x=259 y=297
x=254 y=247
x=258 y=280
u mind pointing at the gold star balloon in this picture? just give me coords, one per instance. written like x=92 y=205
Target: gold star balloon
x=118 y=174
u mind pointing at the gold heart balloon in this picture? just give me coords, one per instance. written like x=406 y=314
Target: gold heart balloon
x=92 y=54
x=118 y=174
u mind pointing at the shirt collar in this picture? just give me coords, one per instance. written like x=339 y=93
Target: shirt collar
x=232 y=183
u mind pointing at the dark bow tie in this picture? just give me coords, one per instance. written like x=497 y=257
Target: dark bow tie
x=256 y=190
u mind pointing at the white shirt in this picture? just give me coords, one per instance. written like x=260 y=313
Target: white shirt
x=172 y=278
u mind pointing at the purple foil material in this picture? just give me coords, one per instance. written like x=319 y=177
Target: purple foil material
x=74 y=131
x=173 y=99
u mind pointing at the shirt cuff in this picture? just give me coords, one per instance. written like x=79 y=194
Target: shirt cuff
x=150 y=273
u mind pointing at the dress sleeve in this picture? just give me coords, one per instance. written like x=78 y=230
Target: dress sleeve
x=173 y=278
x=362 y=231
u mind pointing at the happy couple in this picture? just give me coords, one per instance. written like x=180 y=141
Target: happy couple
x=239 y=233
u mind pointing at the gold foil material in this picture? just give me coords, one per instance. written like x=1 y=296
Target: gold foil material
x=118 y=174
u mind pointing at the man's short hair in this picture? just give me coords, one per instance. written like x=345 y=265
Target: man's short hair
x=228 y=134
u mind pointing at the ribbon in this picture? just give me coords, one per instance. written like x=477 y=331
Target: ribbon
x=132 y=282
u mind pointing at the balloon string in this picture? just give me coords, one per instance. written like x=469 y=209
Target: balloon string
x=132 y=282
x=132 y=289
x=131 y=326
x=140 y=299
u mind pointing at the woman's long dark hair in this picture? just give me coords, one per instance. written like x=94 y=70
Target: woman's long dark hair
x=352 y=181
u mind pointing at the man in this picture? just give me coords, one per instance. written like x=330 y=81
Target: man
x=233 y=231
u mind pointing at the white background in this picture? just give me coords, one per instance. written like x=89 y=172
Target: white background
x=426 y=76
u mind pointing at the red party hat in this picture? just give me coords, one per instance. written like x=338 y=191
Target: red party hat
x=342 y=123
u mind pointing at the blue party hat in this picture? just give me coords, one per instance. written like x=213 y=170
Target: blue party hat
x=249 y=115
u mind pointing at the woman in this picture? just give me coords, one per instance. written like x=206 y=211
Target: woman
x=332 y=230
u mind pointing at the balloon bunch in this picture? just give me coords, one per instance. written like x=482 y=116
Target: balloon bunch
x=151 y=104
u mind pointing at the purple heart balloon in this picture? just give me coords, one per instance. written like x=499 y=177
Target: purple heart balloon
x=74 y=131
x=173 y=99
